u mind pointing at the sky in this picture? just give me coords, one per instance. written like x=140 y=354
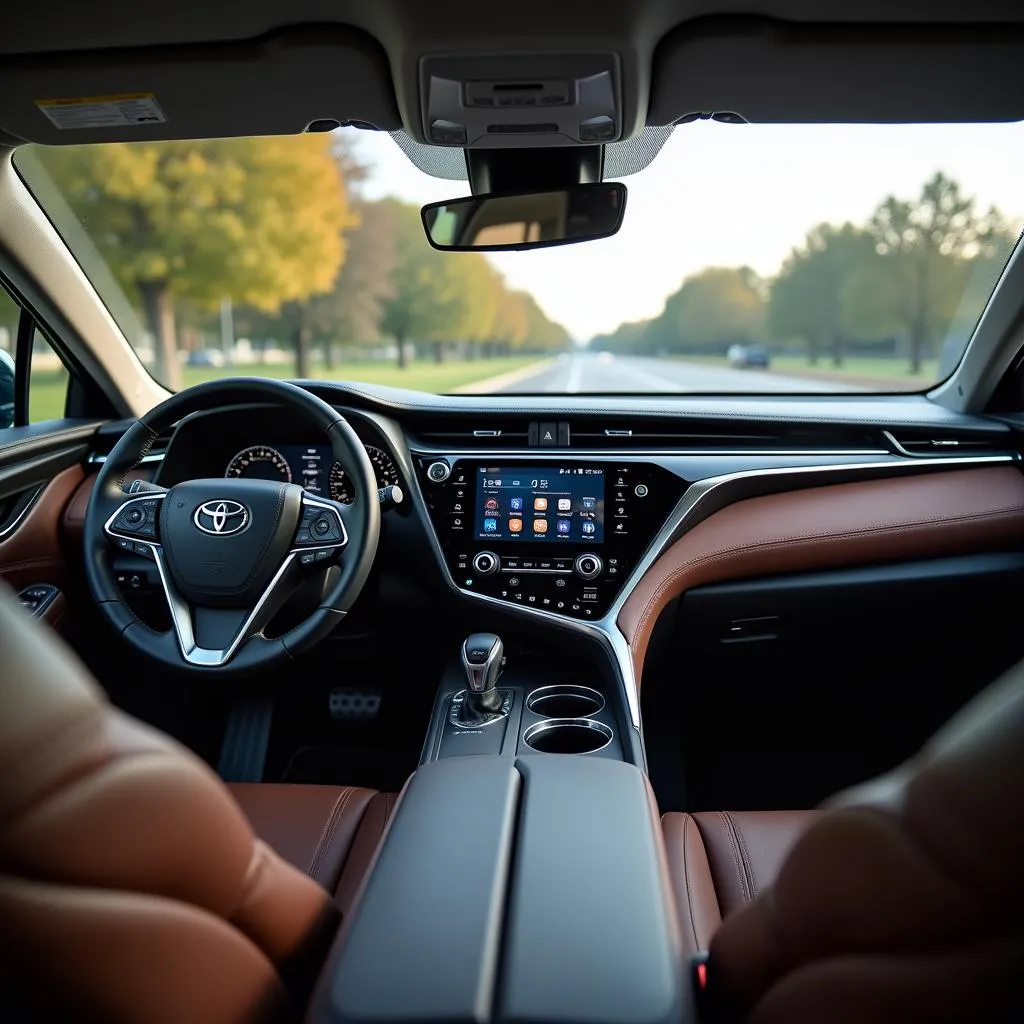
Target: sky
x=728 y=195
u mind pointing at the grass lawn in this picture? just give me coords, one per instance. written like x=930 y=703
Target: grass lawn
x=49 y=387
x=859 y=368
x=421 y=376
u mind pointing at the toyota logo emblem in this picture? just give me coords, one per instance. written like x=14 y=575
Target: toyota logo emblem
x=221 y=518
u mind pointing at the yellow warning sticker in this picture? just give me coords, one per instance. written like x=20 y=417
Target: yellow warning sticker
x=134 y=108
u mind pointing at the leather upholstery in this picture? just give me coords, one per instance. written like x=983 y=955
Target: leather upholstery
x=328 y=832
x=721 y=860
x=129 y=878
x=933 y=514
x=903 y=901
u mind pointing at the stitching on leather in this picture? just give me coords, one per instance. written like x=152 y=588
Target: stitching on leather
x=740 y=873
x=811 y=540
x=686 y=882
x=328 y=833
x=748 y=862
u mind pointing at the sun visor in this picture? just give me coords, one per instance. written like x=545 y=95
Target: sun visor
x=275 y=85
x=773 y=72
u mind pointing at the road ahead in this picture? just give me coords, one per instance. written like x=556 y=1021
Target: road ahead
x=590 y=372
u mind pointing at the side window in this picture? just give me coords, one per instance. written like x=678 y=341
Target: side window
x=10 y=312
x=47 y=382
x=47 y=376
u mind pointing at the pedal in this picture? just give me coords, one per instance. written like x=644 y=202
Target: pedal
x=354 y=705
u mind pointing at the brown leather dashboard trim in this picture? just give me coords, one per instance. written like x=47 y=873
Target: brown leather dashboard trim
x=32 y=553
x=74 y=514
x=931 y=515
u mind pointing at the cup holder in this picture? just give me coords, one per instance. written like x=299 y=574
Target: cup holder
x=565 y=702
x=568 y=736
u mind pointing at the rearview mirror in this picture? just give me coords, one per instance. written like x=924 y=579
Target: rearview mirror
x=526 y=220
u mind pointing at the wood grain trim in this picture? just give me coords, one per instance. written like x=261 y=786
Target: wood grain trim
x=33 y=553
x=932 y=515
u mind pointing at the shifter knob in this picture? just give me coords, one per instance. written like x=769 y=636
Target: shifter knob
x=482 y=658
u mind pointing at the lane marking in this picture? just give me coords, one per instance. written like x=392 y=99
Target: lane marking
x=572 y=385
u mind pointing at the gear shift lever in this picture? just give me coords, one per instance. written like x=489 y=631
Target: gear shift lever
x=482 y=658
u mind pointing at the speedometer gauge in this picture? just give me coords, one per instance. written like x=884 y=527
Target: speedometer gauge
x=260 y=462
x=340 y=485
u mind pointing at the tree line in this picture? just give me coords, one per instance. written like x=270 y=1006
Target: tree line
x=919 y=271
x=276 y=227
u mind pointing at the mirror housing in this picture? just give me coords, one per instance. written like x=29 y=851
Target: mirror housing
x=499 y=221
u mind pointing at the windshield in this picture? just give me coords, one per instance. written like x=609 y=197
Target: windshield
x=752 y=258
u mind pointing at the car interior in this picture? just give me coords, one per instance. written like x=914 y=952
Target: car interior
x=288 y=743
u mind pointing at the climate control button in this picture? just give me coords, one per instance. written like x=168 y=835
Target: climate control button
x=588 y=567
x=486 y=563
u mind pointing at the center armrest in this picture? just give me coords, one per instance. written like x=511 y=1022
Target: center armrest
x=526 y=890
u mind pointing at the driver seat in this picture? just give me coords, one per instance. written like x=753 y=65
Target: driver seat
x=132 y=885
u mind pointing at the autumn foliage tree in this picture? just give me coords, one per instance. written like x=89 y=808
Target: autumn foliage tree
x=256 y=220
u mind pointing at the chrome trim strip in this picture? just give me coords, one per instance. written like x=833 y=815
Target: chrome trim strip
x=29 y=505
x=95 y=459
x=687 y=513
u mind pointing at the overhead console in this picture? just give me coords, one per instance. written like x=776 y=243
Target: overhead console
x=508 y=101
x=551 y=533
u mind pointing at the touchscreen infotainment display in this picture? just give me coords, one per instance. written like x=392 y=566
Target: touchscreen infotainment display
x=540 y=503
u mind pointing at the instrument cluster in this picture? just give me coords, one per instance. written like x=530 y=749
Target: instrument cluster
x=313 y=466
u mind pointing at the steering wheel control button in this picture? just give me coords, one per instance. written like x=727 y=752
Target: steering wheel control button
x=588 y=567
x=323 y=554
x=307 y=557
x=322 y=526
x=486 y=563
x=135 y=516
x=438 y=472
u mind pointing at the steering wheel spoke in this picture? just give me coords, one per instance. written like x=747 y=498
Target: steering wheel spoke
x=134 y=526
x=211 y=636
x=321 y=535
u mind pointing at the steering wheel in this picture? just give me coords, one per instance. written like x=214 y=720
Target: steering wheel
x=230 y=552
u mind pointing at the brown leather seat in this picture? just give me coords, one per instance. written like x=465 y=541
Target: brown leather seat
x=132 y=885
x=329 y=832
x=721 y=860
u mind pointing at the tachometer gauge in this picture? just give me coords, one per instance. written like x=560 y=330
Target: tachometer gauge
x=384 y=467
x=340 y=485
x=260 y=462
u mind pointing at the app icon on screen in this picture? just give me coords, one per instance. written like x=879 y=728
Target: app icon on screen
x=491 y=504
x=515 y=526
x=564 y=525
x=588 y=527
x=564 y=504
x=490 y=526
x=540 y=526
x=589 y=502
x=540 y=504
x=515 y=504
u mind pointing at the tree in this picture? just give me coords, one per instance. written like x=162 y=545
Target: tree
x=256 y=220
x=806 y=299
x=713 y=309
x=925 y=247
x=426 y=301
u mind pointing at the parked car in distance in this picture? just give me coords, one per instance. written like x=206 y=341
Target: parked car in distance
x=205 y=357
x=748 y=357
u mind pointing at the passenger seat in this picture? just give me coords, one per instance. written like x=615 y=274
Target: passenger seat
x=721 y=860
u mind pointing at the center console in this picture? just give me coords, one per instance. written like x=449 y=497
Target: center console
x=551 y=533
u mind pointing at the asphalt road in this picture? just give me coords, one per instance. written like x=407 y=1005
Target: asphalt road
x=584 y=373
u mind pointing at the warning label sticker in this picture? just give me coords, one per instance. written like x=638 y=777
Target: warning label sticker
x=103 y=111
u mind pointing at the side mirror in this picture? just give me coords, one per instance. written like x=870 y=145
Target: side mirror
x=526 y=220
x=6 y=389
